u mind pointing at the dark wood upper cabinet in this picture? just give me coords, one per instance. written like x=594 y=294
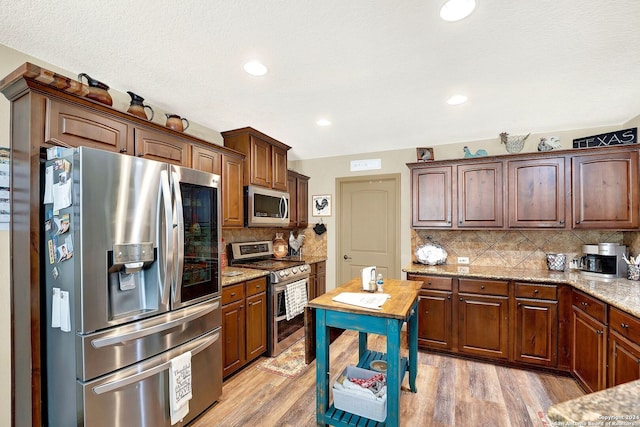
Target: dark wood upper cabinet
x=298 y=199
x=265 y=163
x=537 y=193
x=605 y=190
x=431 y=190
x=480 y=195
x=75 y=126
x=206 y=160
x=162 y=147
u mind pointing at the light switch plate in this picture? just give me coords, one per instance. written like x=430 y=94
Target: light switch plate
x=463 y=260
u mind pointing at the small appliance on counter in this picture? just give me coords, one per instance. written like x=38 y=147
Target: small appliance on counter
x=369 y=279
x=604 y=260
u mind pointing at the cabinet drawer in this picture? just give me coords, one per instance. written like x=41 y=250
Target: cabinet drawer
x=256 y=286
x=486 y=287
x=321 y=267
x=434 y=282
x=591 y=306
x=232 y=293
x=627 y=325
x=536 y=290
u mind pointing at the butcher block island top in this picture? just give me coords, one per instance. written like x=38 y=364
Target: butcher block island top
x=404 y=294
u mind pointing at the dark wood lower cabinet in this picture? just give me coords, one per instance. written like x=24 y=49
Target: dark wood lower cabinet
x=434 y=319
x=244 y=323
x=483 y=323
x=536 y=332
x=624 y=360
x=588 y=361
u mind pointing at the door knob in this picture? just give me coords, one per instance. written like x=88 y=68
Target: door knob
x=347 y=257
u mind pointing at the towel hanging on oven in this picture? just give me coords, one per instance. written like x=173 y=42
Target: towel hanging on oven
x=295 y=297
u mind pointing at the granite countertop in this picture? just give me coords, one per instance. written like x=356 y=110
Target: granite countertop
x=313 y=259
x=621 y=293
x=233 y=275
x=616 y=406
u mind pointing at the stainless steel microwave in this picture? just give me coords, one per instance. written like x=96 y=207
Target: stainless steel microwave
x=265 y=208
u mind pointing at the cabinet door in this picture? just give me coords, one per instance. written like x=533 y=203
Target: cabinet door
x=483 y=324
x=260 y=158
x=233 y=337
x=292 y=183
x=588 y=360
x=434 y=319
x=537 y=193
x=76 y=126
x=536 y=332
x=256 y=332
x=303 y=201
x=206 y=160
x=605 y=190
x=480 y=195
x=321 y=278
x=624 y=360
x=278 y=168
x=162 y=147
x=432 y=197
x=232 y=192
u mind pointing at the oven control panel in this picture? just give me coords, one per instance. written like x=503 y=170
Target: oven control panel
x=290 y=273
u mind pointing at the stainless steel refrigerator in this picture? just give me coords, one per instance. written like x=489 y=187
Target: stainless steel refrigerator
x=132 y=281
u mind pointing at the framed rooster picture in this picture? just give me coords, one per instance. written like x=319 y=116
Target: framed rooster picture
x=321 y=205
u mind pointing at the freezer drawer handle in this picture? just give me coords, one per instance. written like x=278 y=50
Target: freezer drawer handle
x=114 y=385
x=123 y=338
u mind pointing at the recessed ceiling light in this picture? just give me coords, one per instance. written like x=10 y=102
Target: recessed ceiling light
x=455 y=10
x=457 y=100
x=255 y=68
x=323 y=122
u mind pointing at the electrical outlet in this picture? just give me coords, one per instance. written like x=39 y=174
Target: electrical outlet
x=463 y=260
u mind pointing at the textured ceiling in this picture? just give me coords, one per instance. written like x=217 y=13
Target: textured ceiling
x=380 y=70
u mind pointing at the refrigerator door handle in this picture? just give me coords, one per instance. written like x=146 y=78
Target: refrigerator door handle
x=141 y=333
x=114 y=385
x=179 y=248
x=168 y=230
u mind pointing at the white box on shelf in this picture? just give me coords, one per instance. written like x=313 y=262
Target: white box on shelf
x=347 y=400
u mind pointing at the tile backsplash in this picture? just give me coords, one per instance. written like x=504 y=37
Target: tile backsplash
x=313 y=245
x=518 y=249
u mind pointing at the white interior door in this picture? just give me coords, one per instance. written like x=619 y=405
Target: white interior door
x=368 y=227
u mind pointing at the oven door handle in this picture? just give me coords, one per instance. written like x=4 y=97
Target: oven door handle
x=280 y=287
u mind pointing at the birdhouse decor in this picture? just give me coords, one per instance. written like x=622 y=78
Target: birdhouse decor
x=513 y=144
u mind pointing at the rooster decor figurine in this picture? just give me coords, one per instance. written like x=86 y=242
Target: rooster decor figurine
x=548 y=144
x=295 y=243
x=514 y=144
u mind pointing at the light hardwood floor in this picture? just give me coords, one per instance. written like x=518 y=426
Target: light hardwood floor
x=451 y=392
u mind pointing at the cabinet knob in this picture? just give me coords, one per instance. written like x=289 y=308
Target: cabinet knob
x=624 y=325
x=233 y=294
x=140 y=154
x=123 y=150
x=584 y=304
x=448 y=296
x=578 y=222
x=481 y=286
x=461 y=299
x=562 y=222
x=599 y=332
x=428 y=283
x=535 y=291
x=519 y=304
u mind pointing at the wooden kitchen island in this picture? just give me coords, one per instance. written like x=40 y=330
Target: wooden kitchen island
x=388 y=321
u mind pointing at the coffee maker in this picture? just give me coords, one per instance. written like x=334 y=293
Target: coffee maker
x=604 y=260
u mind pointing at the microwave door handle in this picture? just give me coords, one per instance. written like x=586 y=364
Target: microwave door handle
x=167 y=259
x=283 y=201
x=114 y=385
x=179 y=248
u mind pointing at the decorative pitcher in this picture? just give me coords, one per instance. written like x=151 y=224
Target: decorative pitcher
x=137 y=106
x=97 y=90
x=175 y=122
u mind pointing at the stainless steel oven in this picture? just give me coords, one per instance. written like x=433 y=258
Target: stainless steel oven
x=285 y=324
